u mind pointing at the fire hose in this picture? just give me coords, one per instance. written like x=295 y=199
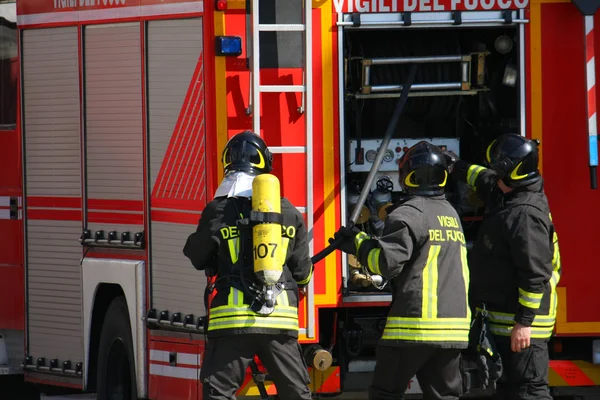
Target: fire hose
x=335 y=243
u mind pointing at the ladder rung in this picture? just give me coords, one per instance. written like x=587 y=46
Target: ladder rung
x=281 y=88
x=287 y=149
x=281 y=27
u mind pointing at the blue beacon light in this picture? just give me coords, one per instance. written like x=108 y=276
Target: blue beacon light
x=228 y=45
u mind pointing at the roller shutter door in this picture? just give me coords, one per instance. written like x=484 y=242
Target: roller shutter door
x=53 y=193
x=177 y=160
x=114 y=137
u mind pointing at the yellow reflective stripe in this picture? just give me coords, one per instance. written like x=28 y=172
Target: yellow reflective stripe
x=305 y=281
x=426 y=335
x=373 y=261
x=236 y=298
x=419 y=319
x=473 y=173
x=438 y=323
x=234 y=249
x=284 y=243
x=530 y=299
x=531 y=295
x=283 y=299
x=556 y=263
x=430 y=281
x=466 y=276
x=538 y=333
x=359 y=239
x=252 y=321
x=509 y=319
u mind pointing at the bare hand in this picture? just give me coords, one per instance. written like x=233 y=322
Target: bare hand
x=520 y=337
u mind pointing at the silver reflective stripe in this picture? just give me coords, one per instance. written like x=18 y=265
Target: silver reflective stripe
x=233 y=312
x=441 y=323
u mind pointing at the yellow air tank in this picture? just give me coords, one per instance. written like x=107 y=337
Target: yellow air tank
x=266 y=236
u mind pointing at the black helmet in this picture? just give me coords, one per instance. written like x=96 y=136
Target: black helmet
x=247 y=152
x=515 y=159
x=423 y=170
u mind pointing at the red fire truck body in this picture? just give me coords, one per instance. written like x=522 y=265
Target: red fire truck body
x=124 y=107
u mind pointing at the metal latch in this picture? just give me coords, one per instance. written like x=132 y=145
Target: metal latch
x=14 y=207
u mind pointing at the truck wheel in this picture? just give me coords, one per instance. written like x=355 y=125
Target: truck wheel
x=116 y=367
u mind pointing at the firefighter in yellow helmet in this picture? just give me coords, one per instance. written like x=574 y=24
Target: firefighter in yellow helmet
x=245 y=319
x=515 y=262
x=422 y=251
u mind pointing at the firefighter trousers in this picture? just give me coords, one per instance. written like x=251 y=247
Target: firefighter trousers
x=227 y=358
x=437 y=370
x=525 y=374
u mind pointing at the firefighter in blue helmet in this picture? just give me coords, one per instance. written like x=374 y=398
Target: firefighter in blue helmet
x=515 y=262
x=223 y=246
x=422 y=251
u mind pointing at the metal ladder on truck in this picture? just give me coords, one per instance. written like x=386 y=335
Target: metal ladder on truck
x=253 y=51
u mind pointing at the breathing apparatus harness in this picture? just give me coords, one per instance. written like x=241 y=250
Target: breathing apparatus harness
x=233 y=275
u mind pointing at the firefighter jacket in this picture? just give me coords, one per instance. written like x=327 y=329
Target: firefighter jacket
x=422 y=251
x=515 y=261
x=222 y=246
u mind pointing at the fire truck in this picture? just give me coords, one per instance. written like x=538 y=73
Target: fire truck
x=114 y=116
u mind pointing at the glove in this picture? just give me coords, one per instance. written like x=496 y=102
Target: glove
x=451 y=158
x=346 y=237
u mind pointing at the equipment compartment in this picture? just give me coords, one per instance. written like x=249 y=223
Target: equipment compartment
x=466 y=93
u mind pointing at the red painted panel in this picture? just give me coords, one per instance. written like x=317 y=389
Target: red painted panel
x=212 y=158
x=574 y=205
x=291 y=171
x=9 y=161
x=10 y=242
x=121 y=205
x=11 y=296
x=58 y=202
x=320 y=241
x=174 y=380
x=237 y=80
x=43 y=6
x=182 y=175
x=281 y=123
x=571 y=373
x=337 y=201
x=55 y=215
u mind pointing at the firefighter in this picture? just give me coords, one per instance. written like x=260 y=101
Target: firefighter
x=422 y=252
x=515 y=262
x=238 y=326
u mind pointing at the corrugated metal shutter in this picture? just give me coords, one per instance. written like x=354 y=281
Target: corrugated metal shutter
x=53 y=165
x=177 y=166
x=114 y=137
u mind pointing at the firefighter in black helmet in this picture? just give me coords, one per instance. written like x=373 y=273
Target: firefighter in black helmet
x=515 y=262
x=222 y=246
x=422 y=251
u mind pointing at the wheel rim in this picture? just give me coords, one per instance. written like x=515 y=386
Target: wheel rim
x=118 y=375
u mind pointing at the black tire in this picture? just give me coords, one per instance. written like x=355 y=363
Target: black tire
x=116 y=366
